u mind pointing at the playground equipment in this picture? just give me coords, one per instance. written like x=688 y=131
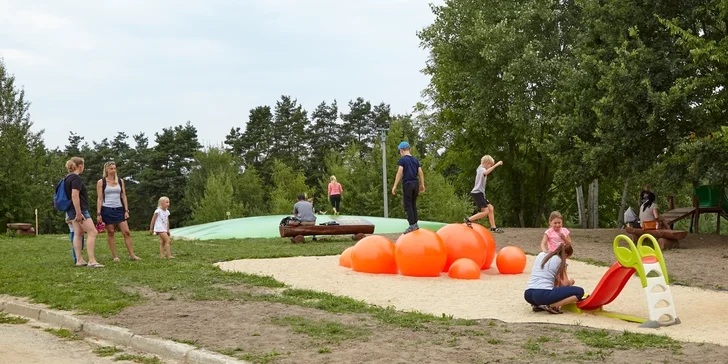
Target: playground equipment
x=710 y=199
x=649 y=265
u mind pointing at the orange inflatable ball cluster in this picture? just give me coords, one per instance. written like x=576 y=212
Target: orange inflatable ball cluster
x=511 y=260
x=345 y=257
x=462 y=242
x=464 y=268
x=420 y=253
x=489 y=244
x=374 y=254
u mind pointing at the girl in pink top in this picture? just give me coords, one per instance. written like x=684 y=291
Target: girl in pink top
x=556 y=234
x=335 y=191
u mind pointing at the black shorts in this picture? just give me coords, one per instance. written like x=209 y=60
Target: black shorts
x=479 y=199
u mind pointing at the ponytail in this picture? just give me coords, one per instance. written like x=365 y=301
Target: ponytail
x=563 y=251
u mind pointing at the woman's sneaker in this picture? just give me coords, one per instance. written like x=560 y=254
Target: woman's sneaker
x=497 y=230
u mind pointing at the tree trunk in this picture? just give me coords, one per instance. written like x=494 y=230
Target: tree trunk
x=623 y=203
x=593 y=205
x=580 y=205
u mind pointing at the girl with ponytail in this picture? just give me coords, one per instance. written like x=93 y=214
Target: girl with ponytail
x=550 y=287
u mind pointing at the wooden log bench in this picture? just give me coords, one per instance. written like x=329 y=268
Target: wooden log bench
x=358 y=228
x=21 y=228
x=667 y=239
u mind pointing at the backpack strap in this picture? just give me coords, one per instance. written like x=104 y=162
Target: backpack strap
x=123 y=191
x=103 y=189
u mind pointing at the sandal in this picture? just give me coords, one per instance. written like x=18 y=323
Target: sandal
x=468 y=222
x=537 y=308
x=550 y=309
x=115 y=259
x=96 y=265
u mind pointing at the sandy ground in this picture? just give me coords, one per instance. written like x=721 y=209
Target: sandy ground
x=495 y=296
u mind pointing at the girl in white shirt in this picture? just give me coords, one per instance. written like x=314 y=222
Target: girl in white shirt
x=160 y=226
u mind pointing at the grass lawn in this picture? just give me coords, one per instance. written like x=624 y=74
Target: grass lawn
x=268 y=316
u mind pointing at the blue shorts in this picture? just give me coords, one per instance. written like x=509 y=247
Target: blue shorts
x=72 y=214
x=540 y=297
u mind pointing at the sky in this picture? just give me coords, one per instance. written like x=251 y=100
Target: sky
x=99 y=67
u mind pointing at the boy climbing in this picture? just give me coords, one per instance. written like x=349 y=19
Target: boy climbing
x=487 y=165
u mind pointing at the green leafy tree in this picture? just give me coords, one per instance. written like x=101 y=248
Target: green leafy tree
x=216 y=202
x=287 y=185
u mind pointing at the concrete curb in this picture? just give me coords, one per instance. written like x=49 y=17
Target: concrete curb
x=167 y=349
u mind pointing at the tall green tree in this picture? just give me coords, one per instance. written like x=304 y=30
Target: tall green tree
x=216 y=202
x=254 y=145
x=323 y=138
x=288 y=183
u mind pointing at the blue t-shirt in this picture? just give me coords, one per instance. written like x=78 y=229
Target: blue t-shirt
x=411 y=165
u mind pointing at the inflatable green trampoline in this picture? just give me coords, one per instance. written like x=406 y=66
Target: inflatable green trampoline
x=267 y=227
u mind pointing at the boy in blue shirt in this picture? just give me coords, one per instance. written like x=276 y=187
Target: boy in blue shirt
x=410 y=173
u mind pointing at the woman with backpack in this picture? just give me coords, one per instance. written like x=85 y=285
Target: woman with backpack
x=113 y=209
x=78 y=213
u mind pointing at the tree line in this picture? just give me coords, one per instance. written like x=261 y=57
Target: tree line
x=604 y=94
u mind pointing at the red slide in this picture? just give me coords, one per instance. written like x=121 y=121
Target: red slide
x=608 y=288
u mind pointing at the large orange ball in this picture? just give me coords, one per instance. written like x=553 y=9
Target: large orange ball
x=462 y=242
x=489 y=244
x=464 y=268
x=345 y=257
x=420 y=253
x=374 y=254
x=511 y=260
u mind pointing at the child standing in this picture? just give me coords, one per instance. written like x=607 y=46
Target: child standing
x=160 y=226
x=487 y=165
x=556 y=234
x=410 y=173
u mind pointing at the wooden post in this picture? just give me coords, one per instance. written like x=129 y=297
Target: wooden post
x=580 y=206
x=595 y=205
x=37 y=232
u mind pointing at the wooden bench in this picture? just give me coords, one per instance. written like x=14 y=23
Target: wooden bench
x=358 y=228
x=667 y=239
x=21 y=228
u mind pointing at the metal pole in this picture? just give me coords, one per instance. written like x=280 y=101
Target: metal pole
x=384 y=172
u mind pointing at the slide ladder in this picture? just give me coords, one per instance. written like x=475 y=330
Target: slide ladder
x=653 y=276
x=649 y=264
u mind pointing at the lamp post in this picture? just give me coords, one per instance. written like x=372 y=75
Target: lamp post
x=384 y=171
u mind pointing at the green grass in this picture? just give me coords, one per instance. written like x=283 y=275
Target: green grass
x=259 y=358
x=63 y=334
x=591 y=261
x=602 y=339
x=42 y=268
x=107 y=351
x=328 y=331
x=139 y=359
x=13 y=320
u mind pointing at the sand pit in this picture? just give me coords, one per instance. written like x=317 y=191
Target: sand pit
x=494 y=296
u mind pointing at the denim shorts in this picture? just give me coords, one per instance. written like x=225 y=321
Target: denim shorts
x=72 y=214
x=549 y=296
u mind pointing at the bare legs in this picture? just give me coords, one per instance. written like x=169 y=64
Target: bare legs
x=124 y=227
x=485 y=211
x=88 y=227
x=165 y=246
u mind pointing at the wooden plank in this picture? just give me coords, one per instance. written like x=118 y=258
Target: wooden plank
x=667 y=234
x=678 y=214
x=291 y=231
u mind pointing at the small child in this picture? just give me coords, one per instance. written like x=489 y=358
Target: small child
x=83 y=237
x=160 y=226
x=487 y=165
x=556 y=234
x=409 y=172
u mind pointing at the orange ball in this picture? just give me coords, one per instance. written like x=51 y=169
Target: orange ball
x=374 y=254
x=511 y=260
x=464 y=268
x=489 y=244
x=345 y=257
x=462 y=242
x=420 y=253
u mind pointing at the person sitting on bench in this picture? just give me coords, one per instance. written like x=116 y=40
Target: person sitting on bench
x=649 y=216
x=303 y=211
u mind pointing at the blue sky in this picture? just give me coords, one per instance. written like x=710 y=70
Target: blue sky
x=98 y=67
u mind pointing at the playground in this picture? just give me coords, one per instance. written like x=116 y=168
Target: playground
x=296 y=324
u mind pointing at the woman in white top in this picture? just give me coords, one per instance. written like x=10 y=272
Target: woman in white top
x=649 y=212
x=112 y=209
x=550 y=287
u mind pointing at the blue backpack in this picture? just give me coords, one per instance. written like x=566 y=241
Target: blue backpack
x=60 y=199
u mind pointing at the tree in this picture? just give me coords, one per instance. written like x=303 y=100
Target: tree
x=287 y=185
x=357 y=124
x=216 y=203
x=323 y=138
x=255 y=144
x=290 y=121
